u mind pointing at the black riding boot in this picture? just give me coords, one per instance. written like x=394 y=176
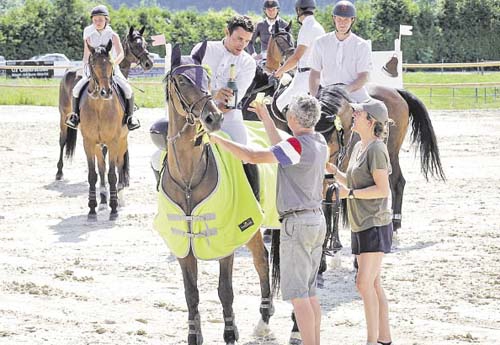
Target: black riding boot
x=131 y=121
x=73 y=118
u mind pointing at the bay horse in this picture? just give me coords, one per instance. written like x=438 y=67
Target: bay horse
x=189 y=176
x=135 y=50
x=101 y=123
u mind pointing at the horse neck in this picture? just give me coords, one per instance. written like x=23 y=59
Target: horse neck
x=185 y=160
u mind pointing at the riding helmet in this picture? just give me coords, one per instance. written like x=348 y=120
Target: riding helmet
x=305 y=4
x=158 y=132
x=100 y=10
x=344 y=8
x=271 y=4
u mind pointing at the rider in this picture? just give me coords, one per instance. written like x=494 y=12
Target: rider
x=309 y=31
x=219 y=56
x=342 y=57
x=97 y=34
x=263 y=28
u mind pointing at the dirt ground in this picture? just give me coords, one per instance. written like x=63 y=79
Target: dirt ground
x=66 y=281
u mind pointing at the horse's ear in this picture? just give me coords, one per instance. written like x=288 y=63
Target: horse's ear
x=109 y=46
x=131 y=31
x=276 y=27
x=289 y=26
x=141 y=31
x=200 y=53
x=176 y=56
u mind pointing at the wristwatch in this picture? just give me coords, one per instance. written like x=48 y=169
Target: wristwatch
x=351 y=194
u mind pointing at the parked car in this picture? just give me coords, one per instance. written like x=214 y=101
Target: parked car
x=51 y=57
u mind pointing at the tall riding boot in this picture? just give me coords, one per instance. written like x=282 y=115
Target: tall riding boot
x=131 y=121
x=73 y=118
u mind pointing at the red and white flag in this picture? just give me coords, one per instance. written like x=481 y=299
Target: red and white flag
x=158 y=40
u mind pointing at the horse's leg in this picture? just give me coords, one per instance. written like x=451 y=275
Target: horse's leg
x=113 y=194
x=397 y=186
x=261 y=262
x=295 y=338
x=123 y=170
x=226 y=297
x=62 y=143
x=189 y=268
x=101 y=164
x=92 y=178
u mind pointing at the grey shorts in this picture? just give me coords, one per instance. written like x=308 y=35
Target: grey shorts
x=301 y=245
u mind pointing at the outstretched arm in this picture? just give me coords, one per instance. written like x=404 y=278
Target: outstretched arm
x=245 y=153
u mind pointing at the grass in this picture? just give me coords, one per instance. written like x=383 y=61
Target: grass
x=24 y=91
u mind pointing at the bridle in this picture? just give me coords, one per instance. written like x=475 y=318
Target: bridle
x=284 y=41
x=138 y=52
x=93 y=74
x=187 y=112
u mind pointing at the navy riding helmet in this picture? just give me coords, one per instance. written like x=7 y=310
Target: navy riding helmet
x=344 y=8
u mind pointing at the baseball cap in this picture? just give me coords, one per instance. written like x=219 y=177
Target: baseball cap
x=374 y=108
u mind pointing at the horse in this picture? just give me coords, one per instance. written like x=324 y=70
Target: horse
x=102 y=124
x=135 y=50
x=188 y=177
x=280 y=47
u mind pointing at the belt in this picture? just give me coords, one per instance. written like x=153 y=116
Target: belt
x=300 y=212
x=305 y=69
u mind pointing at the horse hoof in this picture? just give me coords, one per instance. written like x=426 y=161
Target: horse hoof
x=113 y=216
x=335 y=262
x=262 y=329
x=59 y=176
x=92 y=217
x=295 y=339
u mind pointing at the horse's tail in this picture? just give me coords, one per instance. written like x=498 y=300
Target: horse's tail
x=423 y=135
x=126 y=169
x=275 y=262
x=71 y=136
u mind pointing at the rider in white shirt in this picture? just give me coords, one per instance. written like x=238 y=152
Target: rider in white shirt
x=219 y=56
x=97 y=34
x=309 y=31
x=342 y=57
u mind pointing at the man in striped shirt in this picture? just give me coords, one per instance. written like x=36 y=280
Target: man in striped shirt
x=301 y=164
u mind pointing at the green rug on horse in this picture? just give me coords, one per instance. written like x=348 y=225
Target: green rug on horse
x=230 y=216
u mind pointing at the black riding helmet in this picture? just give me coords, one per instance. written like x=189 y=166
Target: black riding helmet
x=271 y=4
x=304 y=6
x=100 y=10
x=344 y=8
x=158 y=132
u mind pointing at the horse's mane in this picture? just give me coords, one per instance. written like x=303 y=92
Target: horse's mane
x=331 y=98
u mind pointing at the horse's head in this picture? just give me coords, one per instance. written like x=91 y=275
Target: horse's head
x=281 y=46
x=136 y=48
x=188 y=90
x=336 y=120
x=101 y=70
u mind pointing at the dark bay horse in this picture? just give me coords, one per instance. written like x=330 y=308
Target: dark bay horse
x=135 y=50
x=280 y=47
x=189 y=175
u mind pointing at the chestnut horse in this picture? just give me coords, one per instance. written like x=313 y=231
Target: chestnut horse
x=190 y=175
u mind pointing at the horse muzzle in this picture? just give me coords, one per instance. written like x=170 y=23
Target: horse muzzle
x=212 y=121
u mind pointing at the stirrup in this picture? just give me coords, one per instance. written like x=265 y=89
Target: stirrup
x=131 y=124
x=72 y=121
